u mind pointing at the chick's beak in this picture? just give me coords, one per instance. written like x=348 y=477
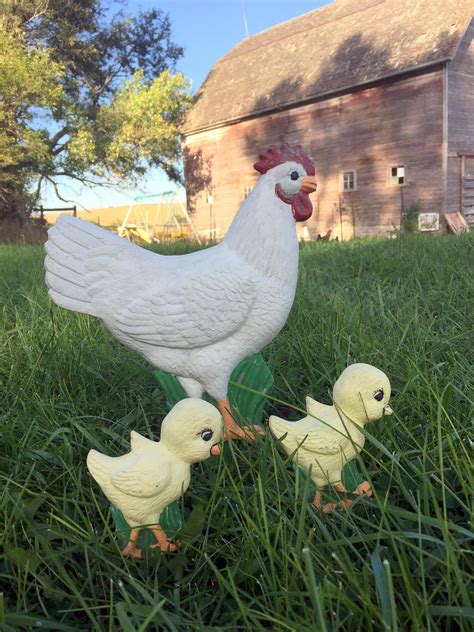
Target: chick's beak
x=216 y=449
x=308 y=184
x=387 y=410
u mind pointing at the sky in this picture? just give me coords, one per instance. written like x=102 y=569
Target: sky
x=207 y=29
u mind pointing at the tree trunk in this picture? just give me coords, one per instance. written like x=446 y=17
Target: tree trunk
x=14 y=197
x=15 y=223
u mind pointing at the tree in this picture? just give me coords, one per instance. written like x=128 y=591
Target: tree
x=85 y=93
x=27 y=79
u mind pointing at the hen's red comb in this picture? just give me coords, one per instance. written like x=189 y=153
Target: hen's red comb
x=277 y=155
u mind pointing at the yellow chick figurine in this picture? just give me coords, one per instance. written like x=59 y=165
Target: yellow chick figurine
x=142 y=483
x=330 y=436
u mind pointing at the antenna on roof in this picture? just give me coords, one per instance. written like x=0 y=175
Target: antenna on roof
x=245 y=20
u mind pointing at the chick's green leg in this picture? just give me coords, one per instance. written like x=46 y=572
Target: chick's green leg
x=162 y=540
x=232 y=429
x=131 y=549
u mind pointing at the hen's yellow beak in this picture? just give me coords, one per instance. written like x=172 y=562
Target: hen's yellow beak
x=308 y=184
x=387 y=410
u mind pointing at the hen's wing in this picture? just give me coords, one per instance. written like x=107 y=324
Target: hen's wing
x=184 y=301
x=193 y=308
x=142 y=478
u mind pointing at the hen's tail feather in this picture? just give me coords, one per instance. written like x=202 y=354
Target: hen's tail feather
x=71 y=242
x=81 y=231
x=65 y=272
x=70 y=303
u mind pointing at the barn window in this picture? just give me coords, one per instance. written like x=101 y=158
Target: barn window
x=348 y=181
x=397 y=175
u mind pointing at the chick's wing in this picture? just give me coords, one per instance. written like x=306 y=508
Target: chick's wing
x=141 y=477
x=322 y=440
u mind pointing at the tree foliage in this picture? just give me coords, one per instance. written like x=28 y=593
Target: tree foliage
x=29 y=87
x=85 y=92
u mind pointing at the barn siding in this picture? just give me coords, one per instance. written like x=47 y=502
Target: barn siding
x=397 y=122
x=460 y=99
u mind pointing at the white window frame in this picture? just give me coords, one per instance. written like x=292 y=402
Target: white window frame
x=341 y=181
x=391 y=183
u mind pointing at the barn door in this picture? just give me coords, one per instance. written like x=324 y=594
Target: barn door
x=467 y=188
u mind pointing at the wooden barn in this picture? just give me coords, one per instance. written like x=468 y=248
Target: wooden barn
x=381 y=94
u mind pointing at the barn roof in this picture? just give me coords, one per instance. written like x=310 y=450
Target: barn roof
x=334 y=48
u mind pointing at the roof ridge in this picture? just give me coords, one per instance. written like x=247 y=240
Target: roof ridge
x=232 y=54
x=322 y=53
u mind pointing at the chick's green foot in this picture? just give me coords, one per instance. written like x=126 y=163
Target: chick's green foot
x=232 y=429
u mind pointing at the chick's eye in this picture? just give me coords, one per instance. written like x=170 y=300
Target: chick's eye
x=378 y=395
x=206 y=435
x=294 y=175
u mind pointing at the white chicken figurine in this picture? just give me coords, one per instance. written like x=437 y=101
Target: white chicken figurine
x=197 y=315
x=142 y=483
x=330 y=436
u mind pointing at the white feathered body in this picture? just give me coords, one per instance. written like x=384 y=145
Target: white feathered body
x=143 y=482
x=196 y=315
x=323 y=442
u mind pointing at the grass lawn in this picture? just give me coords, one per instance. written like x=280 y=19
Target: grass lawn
x=256 y=555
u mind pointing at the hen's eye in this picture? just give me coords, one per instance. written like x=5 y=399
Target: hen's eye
x=294 y=175
x=207 y=435
x=378 y=395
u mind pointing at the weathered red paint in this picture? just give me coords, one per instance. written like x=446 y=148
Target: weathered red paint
x=399 y=121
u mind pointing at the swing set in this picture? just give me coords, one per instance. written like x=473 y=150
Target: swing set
x=157 y=217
